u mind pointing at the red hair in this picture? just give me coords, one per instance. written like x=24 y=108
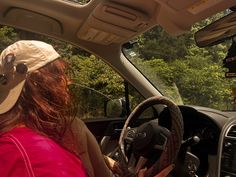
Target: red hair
x=44 y=101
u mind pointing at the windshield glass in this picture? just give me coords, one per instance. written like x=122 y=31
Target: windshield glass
x=182 y=71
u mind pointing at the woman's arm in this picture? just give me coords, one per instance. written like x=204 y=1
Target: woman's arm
x=81 y=141
x=86 y=147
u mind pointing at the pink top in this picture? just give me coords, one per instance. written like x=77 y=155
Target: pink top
x=24 y=153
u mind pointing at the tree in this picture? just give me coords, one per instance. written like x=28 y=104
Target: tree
x=7 y=36
x=156 y=43
x=201 y=82
x=177 y=61
x=92 y=72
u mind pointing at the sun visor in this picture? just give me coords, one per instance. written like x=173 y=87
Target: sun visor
x=26 y=19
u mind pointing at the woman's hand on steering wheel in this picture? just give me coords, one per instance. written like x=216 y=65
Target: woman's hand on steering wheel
x=163 y=173
x=116 y=169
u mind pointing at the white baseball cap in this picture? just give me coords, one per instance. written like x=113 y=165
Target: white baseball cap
x=16 y=62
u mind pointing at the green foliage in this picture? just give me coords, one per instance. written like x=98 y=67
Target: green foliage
x=158 y=44
x=161 y=74
x=202 y=82
x=93 y=73
x=7 y=36
x=95 y=83
x=177 y=66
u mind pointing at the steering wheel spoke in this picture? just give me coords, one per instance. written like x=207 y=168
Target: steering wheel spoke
x=130 y=135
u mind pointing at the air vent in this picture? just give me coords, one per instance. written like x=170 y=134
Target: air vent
x=232 y=131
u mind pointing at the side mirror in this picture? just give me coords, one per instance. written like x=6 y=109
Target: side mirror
x=115 y=108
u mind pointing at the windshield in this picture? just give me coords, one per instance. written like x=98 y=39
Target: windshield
x=182 y=71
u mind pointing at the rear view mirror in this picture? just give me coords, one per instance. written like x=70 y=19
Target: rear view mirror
x=217 y=32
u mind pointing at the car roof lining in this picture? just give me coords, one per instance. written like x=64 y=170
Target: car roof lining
x=104 y=22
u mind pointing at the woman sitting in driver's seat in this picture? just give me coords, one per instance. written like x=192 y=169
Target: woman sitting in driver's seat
x=38 y=134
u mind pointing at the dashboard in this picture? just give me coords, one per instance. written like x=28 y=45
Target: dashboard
x=198 y=123
x=206 y=124
x=215 y=152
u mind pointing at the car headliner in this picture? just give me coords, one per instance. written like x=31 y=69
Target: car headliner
x=102 y=26
x=106 y=22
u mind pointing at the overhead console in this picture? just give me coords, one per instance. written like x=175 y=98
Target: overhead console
x=227 y=150
x=112 y=23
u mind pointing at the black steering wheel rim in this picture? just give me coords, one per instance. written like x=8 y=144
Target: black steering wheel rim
x=174 y=141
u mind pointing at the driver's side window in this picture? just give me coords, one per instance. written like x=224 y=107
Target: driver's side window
x=102 y=93
x=98 y=91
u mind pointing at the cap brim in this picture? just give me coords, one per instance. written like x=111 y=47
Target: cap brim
x=10 y=93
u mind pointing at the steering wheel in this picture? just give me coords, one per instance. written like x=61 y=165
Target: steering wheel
x=171 y=139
